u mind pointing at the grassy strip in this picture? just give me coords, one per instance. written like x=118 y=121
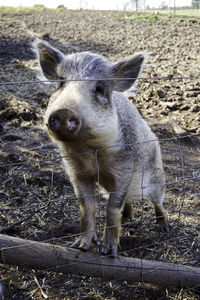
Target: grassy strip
x=177 y=12
x=21 y=9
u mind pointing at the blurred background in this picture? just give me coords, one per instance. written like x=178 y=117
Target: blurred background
x=181 y=7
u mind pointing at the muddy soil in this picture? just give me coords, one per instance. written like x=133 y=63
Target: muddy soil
x=37 y=200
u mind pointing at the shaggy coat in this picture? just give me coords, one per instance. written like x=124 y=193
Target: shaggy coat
x=89 y=114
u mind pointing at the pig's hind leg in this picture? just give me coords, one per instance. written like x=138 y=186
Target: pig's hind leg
x=127 y=212
x=157 y=198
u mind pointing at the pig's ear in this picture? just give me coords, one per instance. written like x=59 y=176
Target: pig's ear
x=49 y=59
x=127 y=71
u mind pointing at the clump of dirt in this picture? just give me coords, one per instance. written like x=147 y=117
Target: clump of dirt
x=37 y=200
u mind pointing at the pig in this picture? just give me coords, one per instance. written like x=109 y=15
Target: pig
x=102 y=139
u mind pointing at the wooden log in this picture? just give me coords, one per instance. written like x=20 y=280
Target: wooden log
x=37 y=255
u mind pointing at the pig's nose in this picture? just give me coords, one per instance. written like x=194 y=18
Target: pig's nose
x=63 y=121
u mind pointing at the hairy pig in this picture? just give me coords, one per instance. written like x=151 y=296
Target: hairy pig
x=89 y=114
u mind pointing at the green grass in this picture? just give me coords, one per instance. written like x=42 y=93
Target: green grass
x=188 y=12
x=20 y=9
x=138 y=16
x=178 y=12
x=148 y=17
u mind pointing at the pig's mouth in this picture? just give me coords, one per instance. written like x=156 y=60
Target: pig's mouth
x=64 y=124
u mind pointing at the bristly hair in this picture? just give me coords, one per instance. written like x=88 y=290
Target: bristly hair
x=87 y=65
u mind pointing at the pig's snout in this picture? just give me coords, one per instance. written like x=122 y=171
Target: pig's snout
x=63 y=123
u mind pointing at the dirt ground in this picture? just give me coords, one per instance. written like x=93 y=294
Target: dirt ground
x=31 y=173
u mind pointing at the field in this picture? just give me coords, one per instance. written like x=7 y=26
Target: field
x=37 y=200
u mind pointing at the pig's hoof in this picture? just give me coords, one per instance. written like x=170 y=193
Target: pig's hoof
x=82 y=246
x=75 y=245
x=85 y=245
x=84 y=242
x=163 y=223
x=112 y=252
x=165 y=228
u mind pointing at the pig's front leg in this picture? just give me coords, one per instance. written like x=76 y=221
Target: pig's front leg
x=113 y=223
x=84 y=190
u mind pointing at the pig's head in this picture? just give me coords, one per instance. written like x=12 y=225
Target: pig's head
x=83 y=107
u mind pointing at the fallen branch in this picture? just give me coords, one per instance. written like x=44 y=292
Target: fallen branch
x=36 y=255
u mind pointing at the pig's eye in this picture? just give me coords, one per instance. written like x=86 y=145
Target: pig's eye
x=101 y=94
x=100 y=89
